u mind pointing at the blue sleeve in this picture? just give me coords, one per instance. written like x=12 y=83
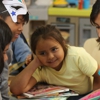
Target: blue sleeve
x=20 y=50
x=4 y=83
x=4 y=88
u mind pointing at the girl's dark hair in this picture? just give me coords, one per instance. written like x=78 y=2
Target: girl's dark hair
x=5 y=39
x=45 y=32
x=95 y=11
x=4 y=14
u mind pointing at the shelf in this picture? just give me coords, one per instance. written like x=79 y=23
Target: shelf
x=54 y=11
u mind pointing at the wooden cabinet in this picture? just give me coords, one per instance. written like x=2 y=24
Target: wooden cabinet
x=76 y=22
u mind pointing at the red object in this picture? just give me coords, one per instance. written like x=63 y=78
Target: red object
x=80 y=4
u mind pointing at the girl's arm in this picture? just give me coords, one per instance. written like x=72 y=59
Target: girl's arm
x=24 y=80
x=96 y=83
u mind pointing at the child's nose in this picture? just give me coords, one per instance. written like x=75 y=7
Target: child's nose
x=50 y=55
x=20 y=27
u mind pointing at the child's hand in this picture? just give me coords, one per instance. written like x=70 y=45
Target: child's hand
x=37 y=61
x=28 y=59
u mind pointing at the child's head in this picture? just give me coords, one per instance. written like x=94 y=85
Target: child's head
x=5 y=39
x=15 y=14
x=95 y=17
x=95 y=12
x=46 y=41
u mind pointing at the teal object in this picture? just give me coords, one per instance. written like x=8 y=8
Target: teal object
x=73 y=1
x=19 y=0
x=33 y=17
x=86 y=4
x=99 y=72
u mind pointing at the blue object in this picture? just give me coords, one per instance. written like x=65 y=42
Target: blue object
x=99 y=72
x=86 y=4
x=20 y=49
x=72 y=1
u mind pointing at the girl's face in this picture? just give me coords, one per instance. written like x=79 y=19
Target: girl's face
x=50 y=53
x=17 y=27
x=5 y=53
x=97 y=21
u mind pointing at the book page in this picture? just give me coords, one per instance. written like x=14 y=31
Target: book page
x=45 y=90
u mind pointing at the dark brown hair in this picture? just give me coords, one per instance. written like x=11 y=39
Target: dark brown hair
x=5 y=39
x=94 y=13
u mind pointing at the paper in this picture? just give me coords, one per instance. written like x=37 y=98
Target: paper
x=15 y=8
x=93 y=94
x=16 y=66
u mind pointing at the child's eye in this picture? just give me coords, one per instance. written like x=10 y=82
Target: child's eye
x=98 y=27
x=54 y=49
x=23 y=24
x=17 y=23
x=20 y=23
x=42 y=53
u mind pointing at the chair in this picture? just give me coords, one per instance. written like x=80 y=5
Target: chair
x=93 y=48
x=65 y=35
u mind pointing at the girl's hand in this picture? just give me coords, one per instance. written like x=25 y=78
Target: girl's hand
x=34 y=59
x=28 y=59
x=37 y=61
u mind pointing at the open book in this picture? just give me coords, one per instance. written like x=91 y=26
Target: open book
x=95 y=98
x=45 y=90
x=92 y=96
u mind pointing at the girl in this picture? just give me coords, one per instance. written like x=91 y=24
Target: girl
x=5 y=39
x=57 y=63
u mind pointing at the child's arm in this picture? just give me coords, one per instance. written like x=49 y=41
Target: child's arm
x=24 y=80
x=96 y=84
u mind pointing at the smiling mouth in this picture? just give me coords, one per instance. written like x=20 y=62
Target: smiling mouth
x=52 y=61
x=16 y=35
